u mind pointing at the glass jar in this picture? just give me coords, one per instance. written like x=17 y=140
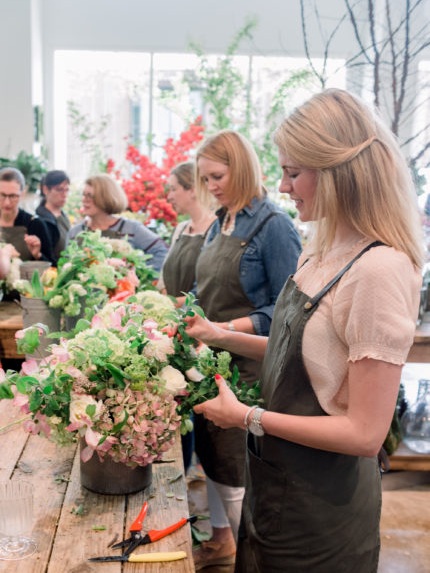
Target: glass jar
x=415 y=421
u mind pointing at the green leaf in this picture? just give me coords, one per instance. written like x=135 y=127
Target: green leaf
x=36 y=285
x=118 y=427
x=117 y=374
x=90 y=410
x=199 y=536
x=5 y=391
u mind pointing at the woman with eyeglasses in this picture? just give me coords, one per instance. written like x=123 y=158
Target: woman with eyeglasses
x=102 y=200
x=26 y=232
x=55 y=189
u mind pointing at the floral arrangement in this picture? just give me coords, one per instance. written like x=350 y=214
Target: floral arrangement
x=123 y=383
x=92 y=270
x=145 y=186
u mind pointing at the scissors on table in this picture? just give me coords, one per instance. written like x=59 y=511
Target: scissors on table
x=136 y=538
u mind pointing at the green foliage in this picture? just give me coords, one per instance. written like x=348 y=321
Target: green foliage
x=266 y=150
x=223 y=84
x=227 y=96
x=33 y=168
x=91 y=136
x=209 y=362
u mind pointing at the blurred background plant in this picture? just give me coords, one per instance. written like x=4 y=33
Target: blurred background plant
x=32 y=167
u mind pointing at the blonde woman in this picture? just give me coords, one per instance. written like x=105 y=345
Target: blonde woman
x=249 y=252
x=179 y=269
x=341 y=331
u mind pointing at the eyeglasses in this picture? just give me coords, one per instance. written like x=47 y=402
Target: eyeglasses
x=60 y=189
x=88 y=196
x=4 y=196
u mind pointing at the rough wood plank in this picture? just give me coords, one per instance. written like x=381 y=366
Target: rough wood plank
x=10 y=322
x=12 y=439
x=116 y=513
x=41 y=463
x=76 y=539
x=168 y=503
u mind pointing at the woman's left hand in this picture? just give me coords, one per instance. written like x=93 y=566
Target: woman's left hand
x=225 y=410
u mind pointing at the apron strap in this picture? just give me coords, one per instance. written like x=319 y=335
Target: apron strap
x=315 y=300
x=258 y=229
x=121 y=225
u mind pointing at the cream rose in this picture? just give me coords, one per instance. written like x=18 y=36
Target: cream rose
x=174 y=380
x=78 y=406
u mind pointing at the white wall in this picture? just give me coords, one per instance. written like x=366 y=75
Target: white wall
x=16 y=113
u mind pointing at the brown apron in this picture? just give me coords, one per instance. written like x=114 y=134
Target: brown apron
x=220 y=294
x=15 y=236
x=305 y=510
x=179 y=269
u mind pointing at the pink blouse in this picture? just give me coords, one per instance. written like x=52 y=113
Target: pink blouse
x=370 y=313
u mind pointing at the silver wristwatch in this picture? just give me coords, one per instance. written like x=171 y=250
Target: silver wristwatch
x=254 y=425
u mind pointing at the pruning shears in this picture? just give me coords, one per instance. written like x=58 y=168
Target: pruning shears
x=136 y=538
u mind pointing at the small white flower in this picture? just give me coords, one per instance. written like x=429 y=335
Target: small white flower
x=194 y=375
x=174 y=380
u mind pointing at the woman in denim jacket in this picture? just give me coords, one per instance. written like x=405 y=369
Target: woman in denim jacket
x=250 y=251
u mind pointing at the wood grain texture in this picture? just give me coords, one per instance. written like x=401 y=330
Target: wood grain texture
x=72 y=524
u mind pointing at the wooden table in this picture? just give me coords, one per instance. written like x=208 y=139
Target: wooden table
x=67 y=516
x=10 y=322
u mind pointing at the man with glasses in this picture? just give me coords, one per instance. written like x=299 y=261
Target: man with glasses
x=55 y=189
x=26 y=232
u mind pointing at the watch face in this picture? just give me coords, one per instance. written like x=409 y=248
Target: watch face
x=256 y=429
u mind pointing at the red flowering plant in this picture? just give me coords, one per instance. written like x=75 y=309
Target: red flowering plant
x=145 y=186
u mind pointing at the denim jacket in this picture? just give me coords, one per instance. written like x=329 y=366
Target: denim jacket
x=268 y=260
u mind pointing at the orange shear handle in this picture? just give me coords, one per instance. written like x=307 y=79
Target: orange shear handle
x=137 y=523
x=156 y=534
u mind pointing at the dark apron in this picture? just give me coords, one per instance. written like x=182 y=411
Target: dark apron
x=305 y=510
x=15 y=236
x=117 y=234
x=220 y=294
x=179 y=269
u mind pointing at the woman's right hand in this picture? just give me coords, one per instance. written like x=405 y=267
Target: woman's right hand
x=203 y=329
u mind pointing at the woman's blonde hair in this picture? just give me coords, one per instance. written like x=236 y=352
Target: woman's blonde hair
x=108 y=195
x=184 y=173
x=235 y=151
x=363 y=178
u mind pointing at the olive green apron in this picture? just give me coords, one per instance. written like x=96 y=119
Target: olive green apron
x=63 y=225
x=305 y=510
x=220 y=294
x=15 y=236
x=179 y=269
x=114 y=234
